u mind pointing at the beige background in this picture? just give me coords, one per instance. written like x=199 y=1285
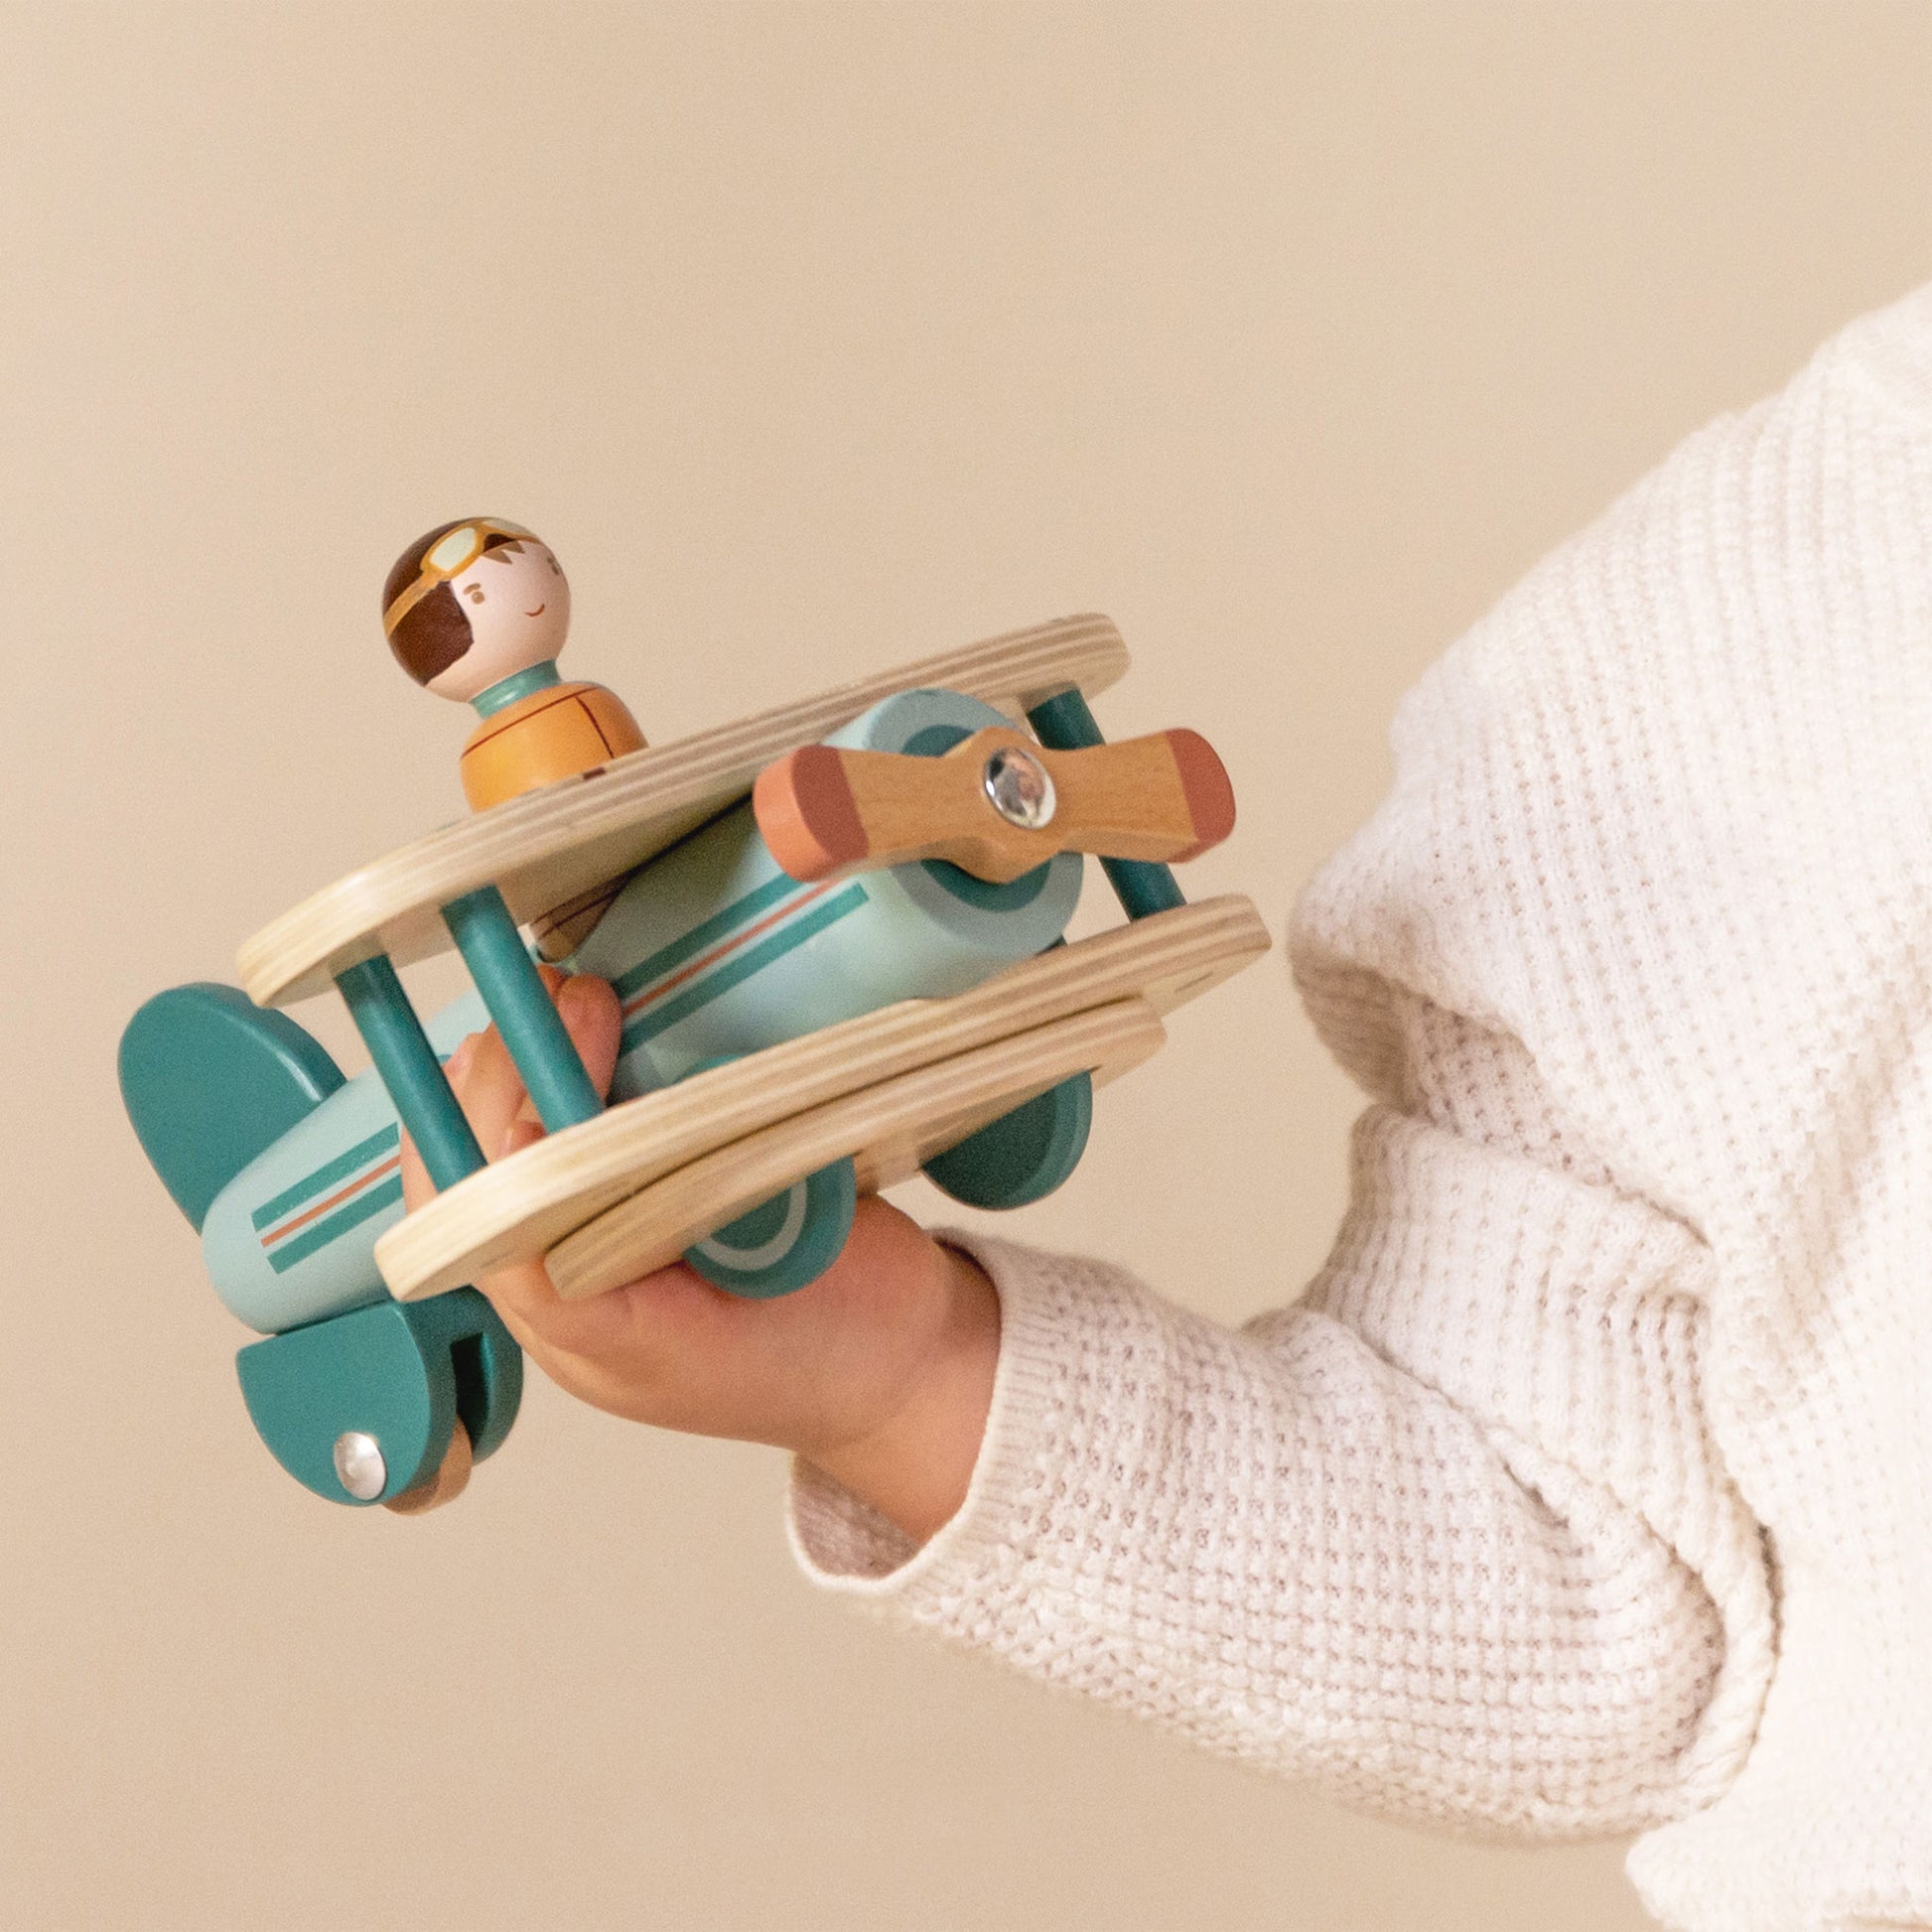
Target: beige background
x=815 y=337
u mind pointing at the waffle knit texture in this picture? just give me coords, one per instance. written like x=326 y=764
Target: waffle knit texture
x=1588 y=1487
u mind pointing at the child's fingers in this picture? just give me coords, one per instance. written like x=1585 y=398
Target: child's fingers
x=489 y=1089
x=416 y=1188
x=491 y=1093
x=485 y=1082
x=494 y=1094
x=594 y=1021
x=415 y=1179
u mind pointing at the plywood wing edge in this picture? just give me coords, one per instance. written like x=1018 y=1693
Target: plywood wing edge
x=888 y=1129
x=516 y=1209
x=547 y=847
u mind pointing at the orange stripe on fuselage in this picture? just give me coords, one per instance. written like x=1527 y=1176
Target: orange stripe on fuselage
x=355 y=1186
x=716 y=953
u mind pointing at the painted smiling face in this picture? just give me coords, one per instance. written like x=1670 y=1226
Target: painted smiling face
x=474 y=602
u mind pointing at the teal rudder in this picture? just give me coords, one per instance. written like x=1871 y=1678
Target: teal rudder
x=210 y=1079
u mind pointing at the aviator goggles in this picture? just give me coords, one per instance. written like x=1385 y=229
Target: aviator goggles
x=450 y=556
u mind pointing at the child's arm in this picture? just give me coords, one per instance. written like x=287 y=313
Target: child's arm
x=1291 y=1544
x=1633 y=966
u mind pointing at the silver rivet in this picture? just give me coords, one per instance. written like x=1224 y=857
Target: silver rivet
x=1020 y=788
x=360 y=1467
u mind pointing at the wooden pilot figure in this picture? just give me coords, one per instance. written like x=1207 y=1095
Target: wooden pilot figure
x=477 y=611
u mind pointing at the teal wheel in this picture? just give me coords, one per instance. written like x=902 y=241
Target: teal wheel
x=785 y=1243
x=1023 y=1156
x=360 y=1407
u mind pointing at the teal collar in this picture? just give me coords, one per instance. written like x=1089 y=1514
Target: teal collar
x=539 y=677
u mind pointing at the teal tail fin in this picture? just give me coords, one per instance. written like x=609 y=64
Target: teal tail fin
x=210 y=1079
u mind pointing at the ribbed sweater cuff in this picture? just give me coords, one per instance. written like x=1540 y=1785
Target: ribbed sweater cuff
x=1893 y=349
x=844 y=1545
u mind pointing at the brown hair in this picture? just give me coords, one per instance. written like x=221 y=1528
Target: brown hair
x=436 y=631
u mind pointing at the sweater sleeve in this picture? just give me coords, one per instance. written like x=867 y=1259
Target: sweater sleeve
x=1445 y=1537
x=1632 y=967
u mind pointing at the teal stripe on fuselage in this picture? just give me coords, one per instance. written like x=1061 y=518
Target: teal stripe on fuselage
x=351 y=1214
x=324 y=1178
x=707 y=932
x=753 y=959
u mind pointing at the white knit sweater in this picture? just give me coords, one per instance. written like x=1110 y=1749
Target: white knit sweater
x=1588 y=1487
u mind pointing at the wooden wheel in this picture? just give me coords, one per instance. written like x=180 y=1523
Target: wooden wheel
x=450 y=1478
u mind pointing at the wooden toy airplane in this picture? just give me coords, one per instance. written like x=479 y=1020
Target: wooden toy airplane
x=835 y=931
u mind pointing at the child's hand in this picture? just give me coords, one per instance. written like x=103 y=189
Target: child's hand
x=879 y=1373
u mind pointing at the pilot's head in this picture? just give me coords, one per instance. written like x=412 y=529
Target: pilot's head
x=474 y=602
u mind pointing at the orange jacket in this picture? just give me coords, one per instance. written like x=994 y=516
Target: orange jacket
x=557 y=732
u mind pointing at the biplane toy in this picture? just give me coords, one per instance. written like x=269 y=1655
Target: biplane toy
x=836 y=934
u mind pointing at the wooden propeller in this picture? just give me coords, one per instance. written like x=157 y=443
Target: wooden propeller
x=997 y=804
